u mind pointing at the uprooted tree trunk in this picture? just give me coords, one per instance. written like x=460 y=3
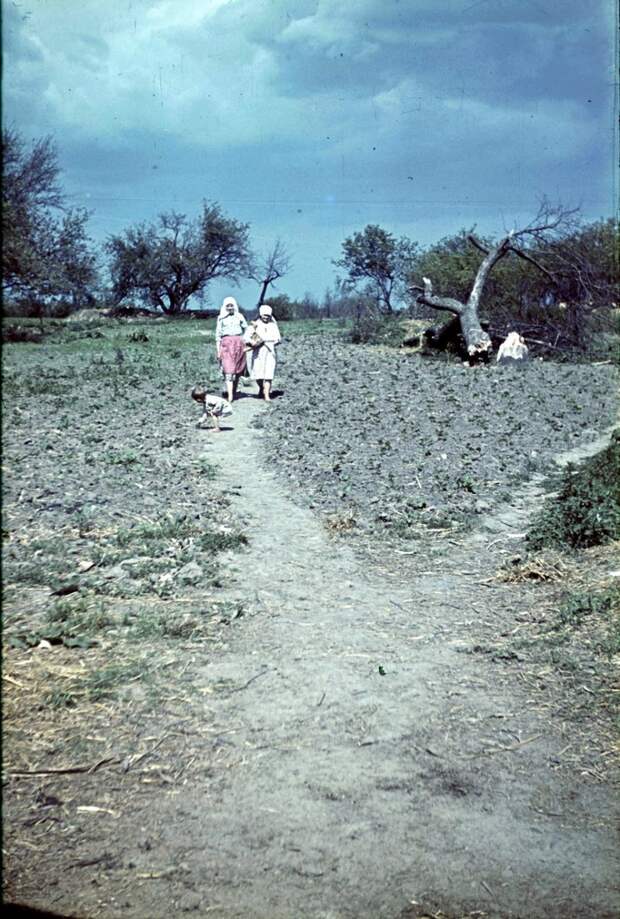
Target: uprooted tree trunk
x=465 y=315
x=477 y=341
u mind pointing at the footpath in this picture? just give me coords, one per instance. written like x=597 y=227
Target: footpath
x=369 y=769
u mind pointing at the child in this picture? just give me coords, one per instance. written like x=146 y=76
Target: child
x=214 y=407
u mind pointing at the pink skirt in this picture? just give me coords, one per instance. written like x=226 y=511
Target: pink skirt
x=232 y=354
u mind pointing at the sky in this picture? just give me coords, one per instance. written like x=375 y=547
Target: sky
x=309 y=119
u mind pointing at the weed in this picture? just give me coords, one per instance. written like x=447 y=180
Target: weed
x=586 y=512
x=153 y=624
x=61 y=697
x=122 y=457
x=73 y=622
x=206 y=469
x=465 y=483
x=578 y=606
x=104 y=683
x=341 y=523
x=219 y=542
x=79 y=616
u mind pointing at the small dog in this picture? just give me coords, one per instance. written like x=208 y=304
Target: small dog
x=213 y=406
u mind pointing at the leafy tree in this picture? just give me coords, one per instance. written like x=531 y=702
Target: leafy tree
x=46 y=251
x=379 y=258
x=166 y=262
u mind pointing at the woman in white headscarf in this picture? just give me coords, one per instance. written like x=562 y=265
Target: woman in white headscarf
x=229 y=344
x=262 y=363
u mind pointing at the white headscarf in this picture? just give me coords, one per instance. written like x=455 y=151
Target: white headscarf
x=265 y=310
x=228 y=301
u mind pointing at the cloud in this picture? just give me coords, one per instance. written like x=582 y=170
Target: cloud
x=317 y=116
x=224 y=72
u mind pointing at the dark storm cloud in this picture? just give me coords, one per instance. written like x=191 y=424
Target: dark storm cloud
x=310 y=118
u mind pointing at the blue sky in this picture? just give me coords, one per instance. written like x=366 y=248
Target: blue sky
x=309 y=119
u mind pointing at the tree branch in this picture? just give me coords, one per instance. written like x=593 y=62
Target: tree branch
x=428 y=298
x=528 y=258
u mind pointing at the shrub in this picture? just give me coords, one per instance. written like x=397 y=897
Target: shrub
x=377 y=330
x=586 y=511
x=13 y=333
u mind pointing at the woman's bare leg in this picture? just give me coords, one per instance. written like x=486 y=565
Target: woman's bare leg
x=230 y=390
x=267 y=390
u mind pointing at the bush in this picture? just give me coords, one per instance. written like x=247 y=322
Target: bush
x=377 y=330
x=586 y=511
x=12 y=333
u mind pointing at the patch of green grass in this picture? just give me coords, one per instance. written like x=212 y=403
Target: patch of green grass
x=578 y=607
x=180 y=527
x=102 y=683
x=156 y=623
x=586 y=511
x=61 y=697
x=206 y=468
x=578 y=635
x=41 y=572
x=105 y=682
x=293 y=327
x=75 y=622
x=125 y=457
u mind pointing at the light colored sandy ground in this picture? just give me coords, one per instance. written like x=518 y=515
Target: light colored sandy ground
x=377 y=766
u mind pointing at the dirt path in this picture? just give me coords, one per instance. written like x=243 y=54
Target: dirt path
x=367 y=766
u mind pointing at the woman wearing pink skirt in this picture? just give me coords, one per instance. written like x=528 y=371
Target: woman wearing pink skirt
x=229 y=344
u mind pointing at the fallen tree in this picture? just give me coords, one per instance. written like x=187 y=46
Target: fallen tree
x=465 y=319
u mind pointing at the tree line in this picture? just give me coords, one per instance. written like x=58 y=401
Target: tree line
x=556 y=263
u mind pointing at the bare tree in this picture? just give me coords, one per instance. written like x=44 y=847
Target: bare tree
x=274 y=265
x=549 y=220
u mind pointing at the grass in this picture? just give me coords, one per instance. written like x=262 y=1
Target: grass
x=586 y=511
x=101 y=683
x=104 y=496
x=602 y=606
x=294 y=327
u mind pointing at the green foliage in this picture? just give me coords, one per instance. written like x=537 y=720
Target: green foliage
x=74 y=622
x=370 y=328
x=556 y=305
x=287 y=310
x=585 y=263
x=104 y=682
x=578 y=607
x=46 y=253
x=125 y=457
x=376 y=256
x=586 y=511
x=21 y=333
x=166 y=262
x=206 y=468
